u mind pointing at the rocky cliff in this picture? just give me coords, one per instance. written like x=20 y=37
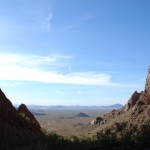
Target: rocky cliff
x=16 y=125
x=140 y=102
x=26 y=114
x=136 y=113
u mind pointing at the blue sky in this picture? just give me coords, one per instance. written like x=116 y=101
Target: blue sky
x=73 y=52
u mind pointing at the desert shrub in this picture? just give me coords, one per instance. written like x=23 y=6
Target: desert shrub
x=106 y=138
x=56 y=142
x=143 y=136
x=124 y=134
x=121 y=134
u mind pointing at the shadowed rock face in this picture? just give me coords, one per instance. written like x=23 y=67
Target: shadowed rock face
x=10 y=118
x=146 y=94
x=99 y=119
x=25 y=113
x=7 y=111
x=5 y=103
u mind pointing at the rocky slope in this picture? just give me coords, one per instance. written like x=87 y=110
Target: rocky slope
x=135 y=113
x=140 y=102
x=16 y=125
x=26 y=114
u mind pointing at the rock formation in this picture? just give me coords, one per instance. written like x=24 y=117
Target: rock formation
x=11 y=120
x=25 y=113
x=6 y=106
x=133 y=100
x=137 y=108
x=147 y=85
x=139 y=99
x=148 y=111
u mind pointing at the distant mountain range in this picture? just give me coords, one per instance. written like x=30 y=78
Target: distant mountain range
x=41 y=107
x=124 y=127
x=115 y=106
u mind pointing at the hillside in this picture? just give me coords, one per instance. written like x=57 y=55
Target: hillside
x=127 y=128
x=131 y=121
x=16 y=123
x=81 y=115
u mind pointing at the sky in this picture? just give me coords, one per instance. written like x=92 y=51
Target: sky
x=73 y=52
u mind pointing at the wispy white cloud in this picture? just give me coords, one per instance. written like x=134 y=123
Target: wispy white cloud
x=78 y=21
x=47 y=21
x=30 y=17
x=7 y=84
x=31 y=61
x=30 y=68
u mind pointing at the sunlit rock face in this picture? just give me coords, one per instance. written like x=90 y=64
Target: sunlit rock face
x=139 y=99
x=134 y=98
x=147 y=84
x=146 y=94
x=148 y=111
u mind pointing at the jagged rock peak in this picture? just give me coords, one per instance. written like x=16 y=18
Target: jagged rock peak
x=5 y=103
x=23 y=110
x=2 y=95
x=147 y=84
x=133 y=100
x=138 y=99
x=14 y=124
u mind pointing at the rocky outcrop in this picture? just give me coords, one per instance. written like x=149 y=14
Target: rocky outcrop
x=148 y=111
x=5 y=104
x=145 y=97
x=140 y=102
x=133 y=100
x=11 y=120
x=25 y=113
x=7 y=111
x=139 y=99
x=137 y=105
x=147 y=84
x=99 y=120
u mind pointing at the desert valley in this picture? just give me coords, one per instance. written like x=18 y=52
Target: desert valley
x=74 y=75
x=60 y=127
x=67 y=120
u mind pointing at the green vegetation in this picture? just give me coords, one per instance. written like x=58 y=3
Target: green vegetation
x=125 y=135
x=120 y=135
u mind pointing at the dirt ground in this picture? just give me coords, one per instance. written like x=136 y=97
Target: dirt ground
x=63 y=122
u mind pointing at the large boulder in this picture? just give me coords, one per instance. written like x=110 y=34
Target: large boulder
x=99 y=120
x=132 y=101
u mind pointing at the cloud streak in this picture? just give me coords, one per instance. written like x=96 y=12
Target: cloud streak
x=30 y=68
